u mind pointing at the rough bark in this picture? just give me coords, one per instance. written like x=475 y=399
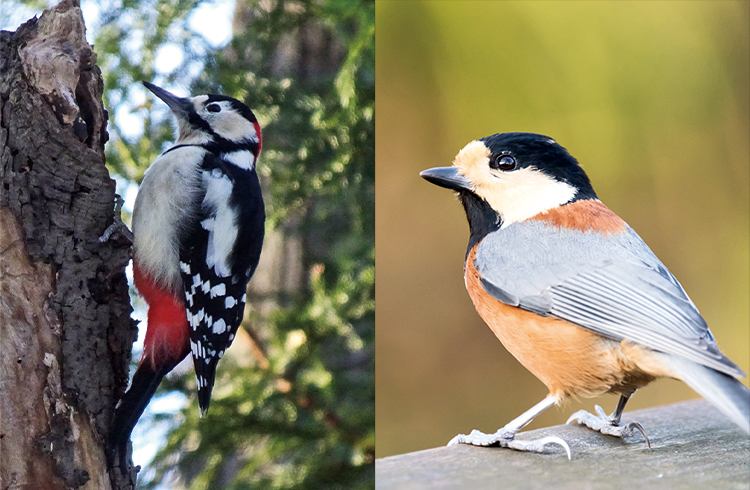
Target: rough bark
x=65 y=327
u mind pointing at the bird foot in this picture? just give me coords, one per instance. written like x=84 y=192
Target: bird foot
x=117 y=226
x=506 y=438
x=601 y=422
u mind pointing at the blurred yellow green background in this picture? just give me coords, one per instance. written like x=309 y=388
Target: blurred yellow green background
x=651 y=97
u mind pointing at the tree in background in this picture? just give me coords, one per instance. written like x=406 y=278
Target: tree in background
x=293 y=405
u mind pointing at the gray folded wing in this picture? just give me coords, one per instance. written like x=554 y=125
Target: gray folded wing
x=614 y=286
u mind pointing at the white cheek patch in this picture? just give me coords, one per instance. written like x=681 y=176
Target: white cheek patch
x=521 y=194
x=232 y=126
x=222 y=230
x=516 y=195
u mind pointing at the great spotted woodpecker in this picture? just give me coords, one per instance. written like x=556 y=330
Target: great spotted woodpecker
x=198 y=225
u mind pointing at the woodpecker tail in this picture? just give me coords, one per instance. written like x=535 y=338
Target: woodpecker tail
x=205 y=374
x=167 y=343
x=725 y=392
x=131 y=407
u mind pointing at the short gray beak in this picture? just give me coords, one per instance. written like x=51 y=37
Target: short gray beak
x=447 y=177
x=180 y=106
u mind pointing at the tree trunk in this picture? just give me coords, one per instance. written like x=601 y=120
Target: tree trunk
x=65 y=327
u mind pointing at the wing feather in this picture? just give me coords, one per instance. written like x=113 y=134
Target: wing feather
x=614 y=286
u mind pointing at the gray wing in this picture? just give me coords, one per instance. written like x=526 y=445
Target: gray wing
x=614 y=286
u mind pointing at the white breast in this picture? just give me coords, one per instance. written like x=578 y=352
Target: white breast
x=163 y=203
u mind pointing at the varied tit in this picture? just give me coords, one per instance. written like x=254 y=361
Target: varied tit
x=572 y=291
x=198 y=226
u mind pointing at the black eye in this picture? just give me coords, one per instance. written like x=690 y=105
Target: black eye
x=503 y=162
x=213 y=108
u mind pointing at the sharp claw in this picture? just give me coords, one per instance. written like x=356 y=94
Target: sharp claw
x=574 y=418
x=554 y=440
x=456 y=440
x=606 y=424
x=638 y=426
x=537 y=446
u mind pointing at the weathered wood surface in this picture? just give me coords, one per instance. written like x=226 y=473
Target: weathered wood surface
x=693 y=446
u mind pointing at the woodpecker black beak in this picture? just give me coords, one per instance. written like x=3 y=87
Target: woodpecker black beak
x=180 y=106
x=447 y=177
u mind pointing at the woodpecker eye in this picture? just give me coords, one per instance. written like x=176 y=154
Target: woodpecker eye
x=503 y=162
x=213 y=108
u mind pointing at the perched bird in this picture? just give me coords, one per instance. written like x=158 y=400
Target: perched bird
x=572 y=291
x=198 y=226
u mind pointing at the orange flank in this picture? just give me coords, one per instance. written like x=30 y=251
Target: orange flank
x=584 y=215
x=568 y=359
x=168 y=334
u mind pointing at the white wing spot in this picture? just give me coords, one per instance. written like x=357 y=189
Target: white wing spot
x=219 y=326
x=229 y=302
x=198 y=318
x=218 y=290
x=185 y=267
x=206 y=287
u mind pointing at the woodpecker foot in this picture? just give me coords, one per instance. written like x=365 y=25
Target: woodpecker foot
x=117 y=226
x=606 y=424
x=507 y=438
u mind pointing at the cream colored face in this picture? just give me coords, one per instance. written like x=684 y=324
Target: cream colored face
x=227 y=123
x=516 y=195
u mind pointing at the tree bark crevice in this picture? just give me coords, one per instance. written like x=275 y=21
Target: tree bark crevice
x=65 y=326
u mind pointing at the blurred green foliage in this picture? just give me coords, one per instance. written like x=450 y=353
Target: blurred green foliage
x=301 y=415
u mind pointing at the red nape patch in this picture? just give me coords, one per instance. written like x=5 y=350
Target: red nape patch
x=168 y=334
x=260 y=138
x=584 y=215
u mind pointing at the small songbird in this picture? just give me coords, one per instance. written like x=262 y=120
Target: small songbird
x=572 y=291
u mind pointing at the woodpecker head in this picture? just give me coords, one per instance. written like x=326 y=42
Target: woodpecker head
x=215 y=121
x=510 y=177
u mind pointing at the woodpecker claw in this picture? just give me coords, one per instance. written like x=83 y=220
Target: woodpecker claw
x=117 y=226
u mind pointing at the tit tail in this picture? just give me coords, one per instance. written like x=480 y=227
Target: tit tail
x=725 y=392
